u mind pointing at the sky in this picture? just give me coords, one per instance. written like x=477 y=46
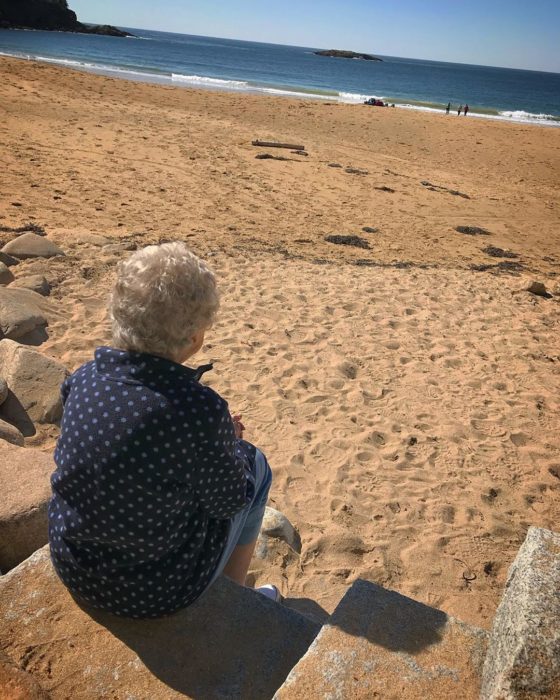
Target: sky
x=513 y=34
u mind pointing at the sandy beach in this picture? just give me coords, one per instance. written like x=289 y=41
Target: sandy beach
x=406 y=394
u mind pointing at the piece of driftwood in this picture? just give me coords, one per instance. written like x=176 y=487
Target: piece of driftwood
x=274 y=144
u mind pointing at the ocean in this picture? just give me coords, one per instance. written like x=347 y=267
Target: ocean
x=246 y=66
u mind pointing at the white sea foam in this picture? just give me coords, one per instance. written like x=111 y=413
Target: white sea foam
x=419 y=108
x=291 y=93
x=355 y=98
x=96 y=67
x=202 y=81
x=209 y=82
x=520 y=115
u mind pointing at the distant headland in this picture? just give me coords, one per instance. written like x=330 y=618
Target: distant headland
x=335 y=53
x=53 y=15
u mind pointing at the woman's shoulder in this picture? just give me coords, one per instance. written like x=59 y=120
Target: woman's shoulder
x=82 y=371
x=210 y=399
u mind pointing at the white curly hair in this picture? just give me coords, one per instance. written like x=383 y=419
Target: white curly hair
x=163 y=295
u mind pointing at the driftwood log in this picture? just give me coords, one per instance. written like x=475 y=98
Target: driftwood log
x=275 y=144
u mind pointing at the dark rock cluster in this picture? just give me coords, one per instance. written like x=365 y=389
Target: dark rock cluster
x=335 y=53
x=48 y=15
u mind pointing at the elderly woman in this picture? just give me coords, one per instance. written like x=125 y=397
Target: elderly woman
x=155 y=494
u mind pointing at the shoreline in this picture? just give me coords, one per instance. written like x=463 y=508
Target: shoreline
x=296 y=92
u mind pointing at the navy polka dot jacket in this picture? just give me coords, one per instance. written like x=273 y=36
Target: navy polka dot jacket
x=149 y=473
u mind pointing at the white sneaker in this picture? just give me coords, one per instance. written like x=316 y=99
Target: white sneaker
x=270 y=591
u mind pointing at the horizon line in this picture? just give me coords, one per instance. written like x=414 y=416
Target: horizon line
x=300 y=46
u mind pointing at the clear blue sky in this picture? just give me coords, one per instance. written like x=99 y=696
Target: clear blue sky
x=514 y=33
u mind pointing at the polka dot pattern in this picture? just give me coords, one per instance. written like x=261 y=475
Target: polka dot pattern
x=149 y=474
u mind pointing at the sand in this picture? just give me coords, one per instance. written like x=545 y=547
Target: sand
x=408 y=403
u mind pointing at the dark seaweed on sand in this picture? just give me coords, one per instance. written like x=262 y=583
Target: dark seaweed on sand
x=355 y=241
x=503 y=266
x=499 y=252
x=33 y=228
x=472 y=230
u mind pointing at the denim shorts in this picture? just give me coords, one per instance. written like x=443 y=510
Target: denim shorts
x=245 y=525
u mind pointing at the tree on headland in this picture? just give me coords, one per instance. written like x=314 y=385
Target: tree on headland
x=337 y=53
x=49 y=15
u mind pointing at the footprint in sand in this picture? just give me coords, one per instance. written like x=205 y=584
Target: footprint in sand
x=349 y=370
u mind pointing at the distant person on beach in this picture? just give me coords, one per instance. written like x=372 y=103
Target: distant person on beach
x=459 y=110
x=466 y=111
x=155 y=492
x=448 y=108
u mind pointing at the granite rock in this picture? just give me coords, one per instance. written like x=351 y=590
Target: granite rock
x=30 y=245
x=380 y=644
x=8 y=260
x=37 y=284
x=233 y=643
x=276 y=525
x=11 y=434
x=6 y=275
x=21 y=312
x=24 y=475
x=34 y=381
x=523 y=660
x=16 y=684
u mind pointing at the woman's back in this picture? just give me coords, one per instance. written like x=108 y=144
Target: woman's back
x=147 y=475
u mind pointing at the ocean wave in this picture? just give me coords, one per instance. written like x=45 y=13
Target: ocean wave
x=520 y=115
x=356 y=98
x=284 y=92
x=201 y=81
x=419 y=108
x=94 y=67
x=101 y=67
x=210 y=82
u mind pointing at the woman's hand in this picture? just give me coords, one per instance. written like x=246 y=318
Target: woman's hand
x=238 y=426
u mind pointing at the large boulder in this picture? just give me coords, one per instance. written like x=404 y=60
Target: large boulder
x=523 y=660
x=22 y=311
x=8 y=260
x=232 y=643
x=30 y=245
x=25 y=478
x=34 y=382
x=3 y=390
x=380 y=644
x=37 y=284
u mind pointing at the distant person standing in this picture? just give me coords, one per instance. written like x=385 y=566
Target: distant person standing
x=459 y=110
x=448 y=108
x=466 y=111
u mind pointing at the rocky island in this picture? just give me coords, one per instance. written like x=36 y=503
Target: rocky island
x=335 y=53
x=53 y=15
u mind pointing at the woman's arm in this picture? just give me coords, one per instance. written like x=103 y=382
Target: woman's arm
x=223 y=482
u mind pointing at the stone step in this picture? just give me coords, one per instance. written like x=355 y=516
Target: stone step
x=380 y=644
x=24 y=475
x=523 y=660
x=231 y=644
